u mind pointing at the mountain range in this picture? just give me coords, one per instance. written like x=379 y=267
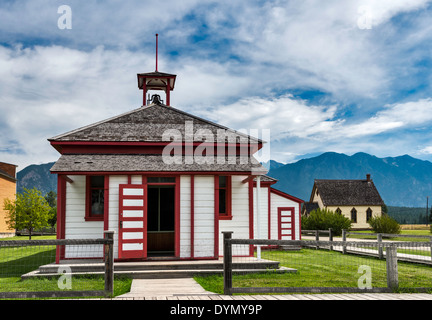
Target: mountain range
x=402 y=181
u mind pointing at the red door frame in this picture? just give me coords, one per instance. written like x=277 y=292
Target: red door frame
x=292 y=228
x=132 y=253
x=143 y=254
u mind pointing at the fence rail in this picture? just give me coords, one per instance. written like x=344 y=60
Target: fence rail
x=344 y=266
x=20 y=263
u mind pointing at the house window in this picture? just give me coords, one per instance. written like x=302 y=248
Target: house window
x=223 y=196
x=354 y=215
x=368 y=214
x=338 y=211
x=95 y=198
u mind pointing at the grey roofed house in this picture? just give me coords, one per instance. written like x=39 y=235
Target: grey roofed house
x=348 y=192
x=152 y=124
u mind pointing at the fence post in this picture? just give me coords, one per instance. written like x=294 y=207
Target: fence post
x=317 y=238
x=380 y=248
x=109 y=263
x=227 y=265
x=343 y=241
x=392 y=267
x=331 y=238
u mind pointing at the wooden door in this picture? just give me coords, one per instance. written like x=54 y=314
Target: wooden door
x=132 y=221
x=286 y=224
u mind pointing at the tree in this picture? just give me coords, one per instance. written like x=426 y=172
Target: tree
x=384 y=224
x=323 y=219
x=51 y=198
x=29 y=211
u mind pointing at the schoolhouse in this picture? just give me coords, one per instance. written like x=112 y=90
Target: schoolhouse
x=167 y=183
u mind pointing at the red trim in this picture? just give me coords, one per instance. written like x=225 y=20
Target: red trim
x=151 y=173
x=216 y=219
x=192 y=216
x=106 y=203
x=61 y=215
x=132 y=147
x=292 y=215
x=88 y=215
x=286 y=195
x=299 y=217
x=177 y=217
x=228 y=198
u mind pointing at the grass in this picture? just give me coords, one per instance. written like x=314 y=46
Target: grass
x=321 y=268
x=368 y=235
x=15 y=261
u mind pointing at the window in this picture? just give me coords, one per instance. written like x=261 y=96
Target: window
x=354 y=215
x=161 y=180
x=95 y=198
x=338 y=211
x=368 y=214
x=223 y=197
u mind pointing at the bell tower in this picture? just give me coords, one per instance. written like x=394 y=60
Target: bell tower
x=156 y=81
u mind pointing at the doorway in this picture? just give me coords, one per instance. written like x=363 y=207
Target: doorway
x=160 y=220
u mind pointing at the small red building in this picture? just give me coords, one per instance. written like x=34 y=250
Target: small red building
x=167 y=182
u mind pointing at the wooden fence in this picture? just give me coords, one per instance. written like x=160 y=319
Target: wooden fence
x=18 y=256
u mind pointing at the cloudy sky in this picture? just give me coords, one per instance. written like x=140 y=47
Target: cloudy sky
x=309 y=76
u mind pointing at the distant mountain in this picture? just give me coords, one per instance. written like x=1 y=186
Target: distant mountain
x=38 y=176
x=401 y=181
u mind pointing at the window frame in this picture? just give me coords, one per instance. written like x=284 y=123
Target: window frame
x=369 y=214
x=354 y=215
x=89 y=216
x=227 y=215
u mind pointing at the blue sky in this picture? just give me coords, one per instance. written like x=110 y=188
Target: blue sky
x=309 y=76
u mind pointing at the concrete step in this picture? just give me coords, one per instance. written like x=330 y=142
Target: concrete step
x=164 y=274
x=93 y=266
x=156 y=269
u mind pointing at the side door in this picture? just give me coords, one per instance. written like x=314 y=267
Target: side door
x=286 y=223
x=132 y=221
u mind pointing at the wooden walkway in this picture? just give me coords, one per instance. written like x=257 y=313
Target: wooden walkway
x=348 y=296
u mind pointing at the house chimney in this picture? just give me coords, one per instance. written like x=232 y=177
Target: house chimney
x=368 y=179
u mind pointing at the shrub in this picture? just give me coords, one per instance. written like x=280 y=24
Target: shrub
x=324 y=219
x=385 y=224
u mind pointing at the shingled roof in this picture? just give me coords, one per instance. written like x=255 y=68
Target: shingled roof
x=148 y=163
x=148 y=124
x=347 y=192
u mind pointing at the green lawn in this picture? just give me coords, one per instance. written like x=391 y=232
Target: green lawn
x=321 y=268
x=367 y=235
x=17 y=261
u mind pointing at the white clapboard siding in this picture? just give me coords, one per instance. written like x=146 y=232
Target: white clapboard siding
x=185 y=216
x=239 y=224
x=278 y=201
x=204 y=216
x=75 y=225
x=263 y=214
x=113 y=211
